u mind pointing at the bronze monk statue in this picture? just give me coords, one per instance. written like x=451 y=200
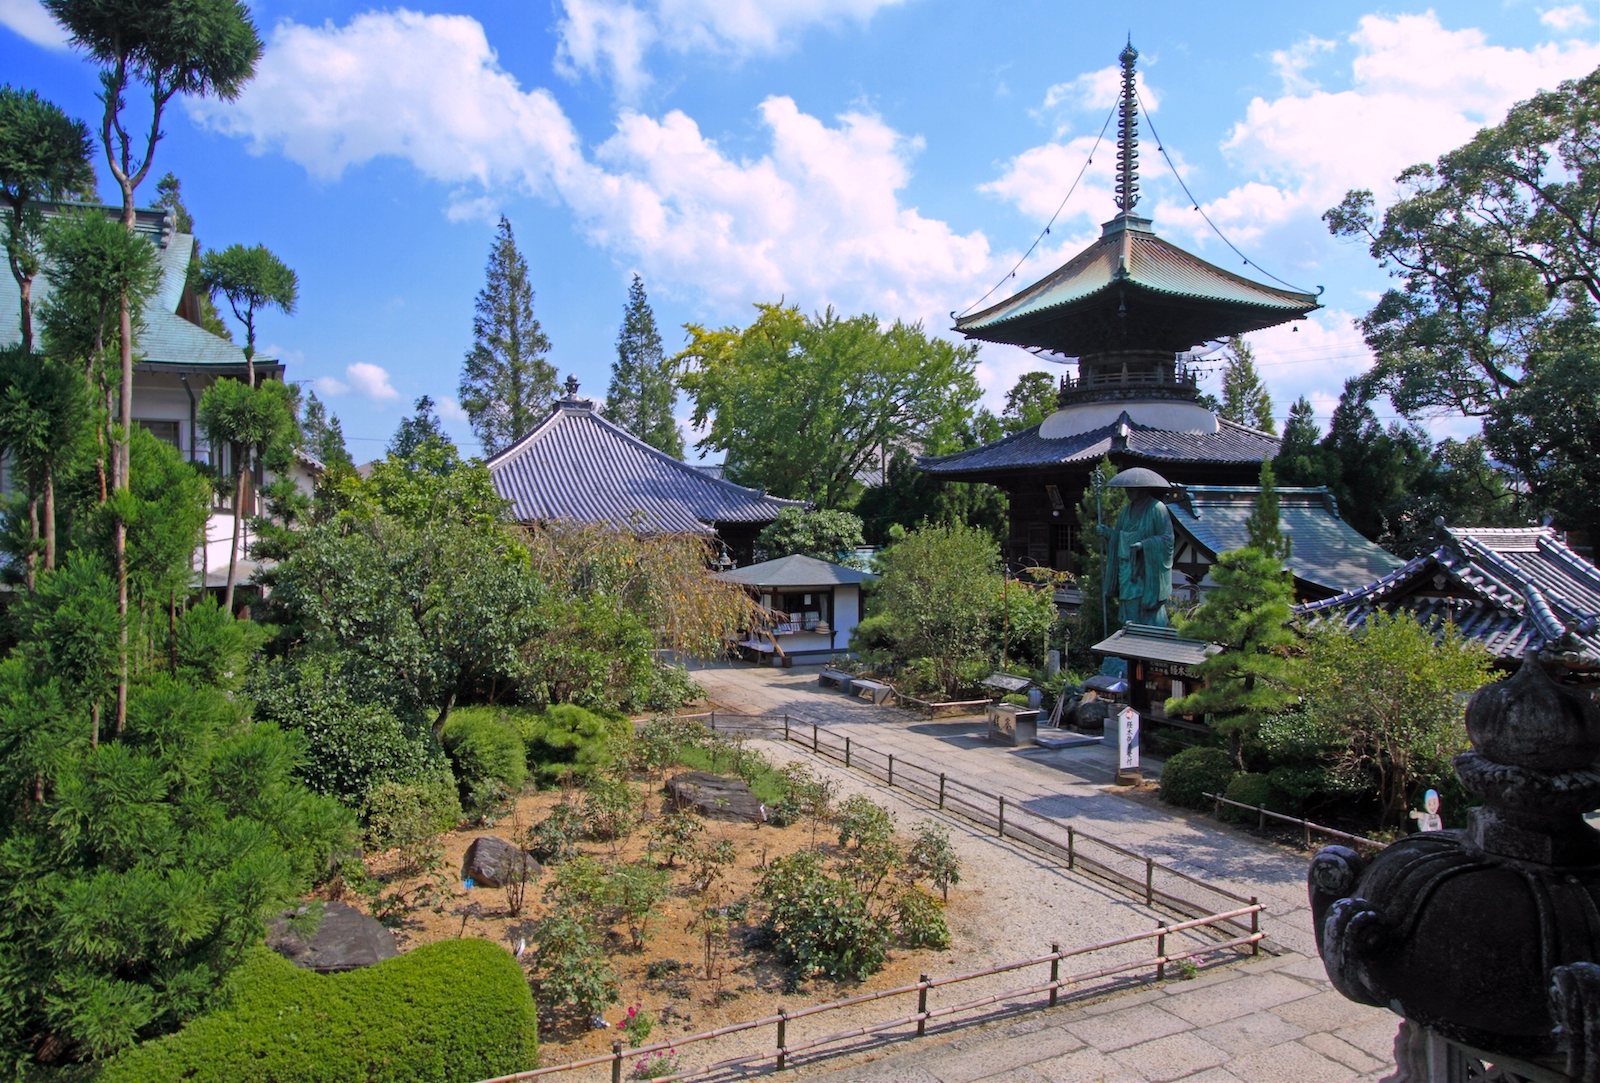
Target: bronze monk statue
x=1138 y=571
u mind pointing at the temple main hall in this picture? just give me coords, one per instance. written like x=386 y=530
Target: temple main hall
x=1127 y=311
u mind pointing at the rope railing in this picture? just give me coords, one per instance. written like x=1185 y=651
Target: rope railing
x=1146 y=879
x=1305 y=825
x=783 y=1049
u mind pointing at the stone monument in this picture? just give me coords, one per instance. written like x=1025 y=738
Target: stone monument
x=1486 y=940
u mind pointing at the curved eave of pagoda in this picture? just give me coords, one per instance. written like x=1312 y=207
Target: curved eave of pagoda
x=1132 y=290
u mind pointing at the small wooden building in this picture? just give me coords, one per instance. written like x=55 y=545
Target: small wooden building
x=812 y=607
x=1162 y=665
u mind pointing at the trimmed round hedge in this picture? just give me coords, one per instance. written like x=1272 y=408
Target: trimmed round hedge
x=1191 y=774
x=449 y=1012
x=1249 y=788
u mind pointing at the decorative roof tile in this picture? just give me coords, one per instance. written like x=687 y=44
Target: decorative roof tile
x=797 y=570
x=577 y=465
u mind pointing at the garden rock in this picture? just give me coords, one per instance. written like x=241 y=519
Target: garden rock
x=346 y=939
x=491 y=862
x=715 y=797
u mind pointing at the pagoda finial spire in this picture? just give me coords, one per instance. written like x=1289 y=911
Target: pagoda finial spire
x=1127 y=194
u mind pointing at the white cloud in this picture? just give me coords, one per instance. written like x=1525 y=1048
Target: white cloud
x=1566 y=17
x=1293 y=62
x=816 y=219
x=613 y=37
x=450 y=409
x=371 y=381
x=329 y=386
x=1099 y=90
x=32 y=21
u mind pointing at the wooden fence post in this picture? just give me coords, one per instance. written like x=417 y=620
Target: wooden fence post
x=1071 y=838
x=813 y=737
x=1261 y=821
x=783 y=1028
x=1255 y=927
x=941 y=789
x=922 y=1006
x=786 y=727
x=1307 y=825
x=713 y=721
x=891 y=770
x=1002 y=815
x=1055 y=973
x=847 y=752
x=1161 y=952
x=1149 y=880
x=616 y=1061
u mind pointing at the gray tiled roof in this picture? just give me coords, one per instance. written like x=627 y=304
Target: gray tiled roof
x=1324 y=549
x=1156 y=645
x=797 y=571
x=166 y=340
x=1027 y=449
x=579 y=466
x=1510 y=590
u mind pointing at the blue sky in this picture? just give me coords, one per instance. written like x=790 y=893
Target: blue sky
x=891 y=156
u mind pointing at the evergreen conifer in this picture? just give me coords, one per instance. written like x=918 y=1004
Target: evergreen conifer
x=1264 y=527
x=1244 y=397
x=1247 y=614
x=642 y=392
x=506 y=383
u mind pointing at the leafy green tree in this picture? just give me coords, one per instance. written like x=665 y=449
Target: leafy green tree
x=44 y=155
x=165 y=513
x=1387 y=702
x=1031 y=399
x=1245 y=400
x=506 y=383
x=802 y=405
x=1099 y=506
x=1247 y=615
x=252 y=280
x=643 y=392
x=821 y=534
x=138 y=874
x=324 y=436
x=422 y=430
x=71 y=635
x=45 y=415
x=1264 y=528
x=252 y=420
x=944 y=614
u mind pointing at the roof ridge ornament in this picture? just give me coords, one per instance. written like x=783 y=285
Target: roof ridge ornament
x=1127 y=193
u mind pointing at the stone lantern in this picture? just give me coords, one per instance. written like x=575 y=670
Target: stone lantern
x=1486 y=940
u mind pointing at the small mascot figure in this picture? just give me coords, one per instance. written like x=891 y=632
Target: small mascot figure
x=1428 y=818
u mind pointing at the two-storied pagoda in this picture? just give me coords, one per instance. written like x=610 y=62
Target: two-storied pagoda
x=1127 y=309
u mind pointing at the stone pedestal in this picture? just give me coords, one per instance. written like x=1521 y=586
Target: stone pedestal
x=1010 y=724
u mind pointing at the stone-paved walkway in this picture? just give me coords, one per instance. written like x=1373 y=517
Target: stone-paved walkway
x=1272 y=1020
x=1072 y=785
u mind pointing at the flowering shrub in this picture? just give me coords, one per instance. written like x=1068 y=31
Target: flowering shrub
x=657 y=1065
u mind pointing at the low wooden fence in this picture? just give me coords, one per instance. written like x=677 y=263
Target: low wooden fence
x=1306 y=826
x=783 y=1048
x=1151 y=881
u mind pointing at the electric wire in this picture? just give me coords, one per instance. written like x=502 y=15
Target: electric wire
x=1046 y=231
x=1195 y=203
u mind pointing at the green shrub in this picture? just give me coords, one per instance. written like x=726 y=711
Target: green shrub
x=486 y=750
x=406 y=813
x=1191 y=774
x=610 y=808
x=863 y=821
x=820 y=924
x=454 y=1010
x=932 y=858
x=572 y=980
x=920 y=920
x=554 y=839
x=352 y=743
x=569 y=738
x=1249 y=788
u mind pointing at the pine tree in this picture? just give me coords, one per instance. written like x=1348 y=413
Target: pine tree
x=1247 y=614
x=642 y=392
x=506 y=383
x=324 y=436
x=1264 y=527
x=1244 y=397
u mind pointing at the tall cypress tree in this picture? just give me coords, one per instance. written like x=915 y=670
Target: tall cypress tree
x=643 y=392
x=1244 y=397
x=1264 y=526
x=506 y=383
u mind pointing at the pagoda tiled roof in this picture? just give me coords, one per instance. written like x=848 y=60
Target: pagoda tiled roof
x=166 y=341
x=1133 y=290
x=1027 y=450
x=578 y=466
x=1510 y=590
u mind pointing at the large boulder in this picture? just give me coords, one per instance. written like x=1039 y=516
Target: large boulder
x=716 y=797
x=493 y=862
x=346 y=939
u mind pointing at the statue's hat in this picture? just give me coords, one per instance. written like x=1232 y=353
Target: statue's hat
x=1138 y=477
